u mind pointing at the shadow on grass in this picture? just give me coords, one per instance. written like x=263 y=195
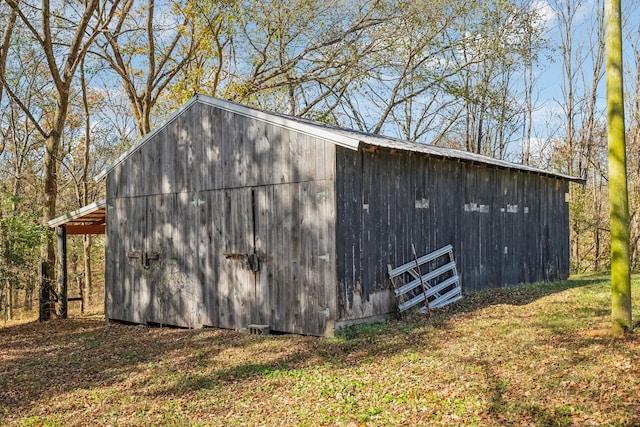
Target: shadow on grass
x=517 y=295
x=40 y=361
x=89 y=355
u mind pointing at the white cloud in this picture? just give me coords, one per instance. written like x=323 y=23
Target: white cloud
x=545 y=11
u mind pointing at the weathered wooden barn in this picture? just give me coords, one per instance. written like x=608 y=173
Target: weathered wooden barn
x=227 y=216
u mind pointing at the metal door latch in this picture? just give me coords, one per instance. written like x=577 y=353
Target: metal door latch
x=144 y=257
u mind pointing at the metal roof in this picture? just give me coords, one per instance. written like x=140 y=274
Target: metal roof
x=89 y=219
x=343 y=137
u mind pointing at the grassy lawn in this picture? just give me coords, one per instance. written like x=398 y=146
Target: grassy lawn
x=533 y=355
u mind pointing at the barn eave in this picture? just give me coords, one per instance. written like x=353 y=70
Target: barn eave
x=350 y=139
x=374 y=144
x=90 y=219
x=342 y=139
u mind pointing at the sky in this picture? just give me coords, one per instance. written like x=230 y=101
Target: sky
x=550 y=75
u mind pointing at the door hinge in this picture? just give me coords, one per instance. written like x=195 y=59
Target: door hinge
x=323 y=194
x=324 y=257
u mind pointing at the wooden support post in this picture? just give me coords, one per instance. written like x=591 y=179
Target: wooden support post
x=45 y=292
x=61 y=232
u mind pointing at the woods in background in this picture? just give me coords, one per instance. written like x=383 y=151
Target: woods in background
x=82 y=81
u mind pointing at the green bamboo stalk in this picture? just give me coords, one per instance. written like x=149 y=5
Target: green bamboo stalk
x=618 y=195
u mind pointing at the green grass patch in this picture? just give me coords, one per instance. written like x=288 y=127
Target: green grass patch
x=538 y=355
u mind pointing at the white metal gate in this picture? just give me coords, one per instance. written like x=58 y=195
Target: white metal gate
x=439 y=282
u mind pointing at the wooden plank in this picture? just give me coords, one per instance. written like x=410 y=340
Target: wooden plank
x=323 y=256
x=198 y=235
x=203 y=274
x=419 y=206
x=348 y=230
x=527 y=230
x=296 y=280
x=226 y=304
x=85 y=229
x=280 y=255
x=280 y=159
x=183 y=140
x=327 y=246
x=237 y=283
x=148 y=269
x=250 y=163
x=375 y=188
x=486 y=189
x=239 y=164
x=167 y=160
x=113 y=183
x=315 y=153
x=564 y=232
x=309 y=230
x=467 y=208
x=298 y=159
x=195 y=164
x=218 y=306
x=176 y=279
x=248 y=277
x=286 y=298
x=273 y=221
x=136 y=225
x=263 y=240
x=213 y=147
x=153 y=237
x=112 y=279
x=147 y=167
x=404 y=232
x=207 y=276
x=283 y=160
x=229 y=150
x=263 y=153
x=124 y=276
x=164 y=170
x=134 y=175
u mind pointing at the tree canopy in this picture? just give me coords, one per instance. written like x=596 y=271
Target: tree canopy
x=81 y=81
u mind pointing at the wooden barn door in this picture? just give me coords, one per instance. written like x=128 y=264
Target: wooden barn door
x=126 y=295
x=293 y=241
x=171 y=264
x=269 y=260
x=157 y=253
x=234 y=225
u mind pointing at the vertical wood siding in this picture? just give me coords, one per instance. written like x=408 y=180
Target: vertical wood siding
x=205 y=191
x=506 y=226
x=212 y=187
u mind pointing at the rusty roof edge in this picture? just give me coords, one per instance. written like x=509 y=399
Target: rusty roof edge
x=461 y=155
x=77 y=213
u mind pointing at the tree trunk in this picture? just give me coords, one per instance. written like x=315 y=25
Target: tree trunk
x=28 y=295
x=86 y=292
x=88 y=281
x=50 y=197
x=4 y=298
x=46 y=294
x=596 y=237
x=618 y=196
x=10 y=295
